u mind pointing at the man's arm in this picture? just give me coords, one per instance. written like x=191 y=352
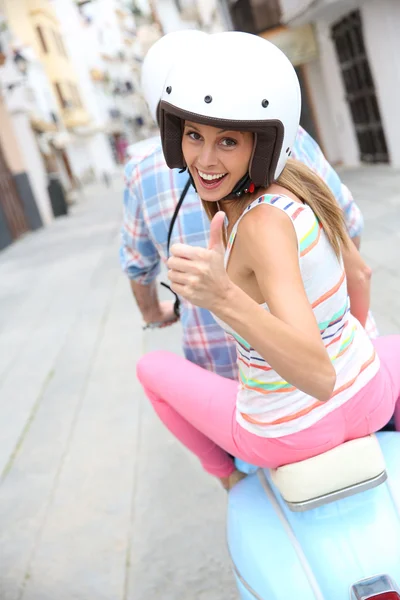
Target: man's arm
x=139 y=257
x=358 y=276
x=307 y=151
x=352 y=214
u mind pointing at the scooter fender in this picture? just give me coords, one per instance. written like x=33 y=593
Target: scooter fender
x=319 y=554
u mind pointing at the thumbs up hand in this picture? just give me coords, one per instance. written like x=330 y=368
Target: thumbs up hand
x=198 y=274
x=216 y=233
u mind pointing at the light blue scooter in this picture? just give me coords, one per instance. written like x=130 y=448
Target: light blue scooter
x=327 y=528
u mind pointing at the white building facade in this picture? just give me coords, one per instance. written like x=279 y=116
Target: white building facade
x=28 y=98
x=208 y=15
x=353 y=76
x=89 y=149
x=114 y=55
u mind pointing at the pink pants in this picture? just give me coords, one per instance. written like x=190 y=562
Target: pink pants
x=199 y=408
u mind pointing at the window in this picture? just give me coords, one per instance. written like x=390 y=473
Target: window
x=347 y=35
x=42 y=39
x=76 y=99
x=60 y=95
x=68 y=95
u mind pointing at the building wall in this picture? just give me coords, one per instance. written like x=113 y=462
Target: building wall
x=323 y=117
x=35 y=167
x=336 y=125
x=169 y=16
x=44 y=104
x=80 y=159
x=17 y=15
x=75 y=40
x=9 y=142
x=34 y=199
x=101 y=155
x=22 y=153
x=381 y=25
x=25 y=17
x=115 y=48
x=212 y=16
x=381 y=22
x=291 y=8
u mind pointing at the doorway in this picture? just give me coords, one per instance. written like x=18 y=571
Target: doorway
x=348 y=39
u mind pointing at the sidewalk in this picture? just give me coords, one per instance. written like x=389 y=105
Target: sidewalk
x=97 y=500
x=377 y=191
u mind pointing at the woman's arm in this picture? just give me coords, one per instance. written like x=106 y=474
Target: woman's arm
x=358 y=276
x=289 y=338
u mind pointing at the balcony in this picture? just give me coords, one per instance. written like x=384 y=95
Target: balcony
x=75 y=117
x=97 y=75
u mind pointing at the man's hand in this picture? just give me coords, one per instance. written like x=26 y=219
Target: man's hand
x=163 y=316
x=198 y=274
x=153 y=311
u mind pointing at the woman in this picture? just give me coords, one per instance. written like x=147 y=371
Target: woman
x=279 y=275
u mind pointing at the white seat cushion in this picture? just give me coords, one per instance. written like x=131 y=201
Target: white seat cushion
x=344 y=466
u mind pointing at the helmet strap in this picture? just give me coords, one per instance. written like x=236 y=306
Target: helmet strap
x=243 y=186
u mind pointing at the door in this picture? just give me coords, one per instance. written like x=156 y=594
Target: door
x=11 y=209
x=348 y=39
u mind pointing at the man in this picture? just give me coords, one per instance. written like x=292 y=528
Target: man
x=151 y=195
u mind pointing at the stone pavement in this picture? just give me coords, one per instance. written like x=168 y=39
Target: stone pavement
x=377 y=191
x=97 y=500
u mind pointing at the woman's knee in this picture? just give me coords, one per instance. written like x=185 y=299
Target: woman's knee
x=155 y=366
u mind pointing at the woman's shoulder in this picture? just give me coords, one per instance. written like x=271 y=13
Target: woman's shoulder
x=279 y=191
x=274 y=213
x=266 y=232
x=275 y=197
x=261 y=217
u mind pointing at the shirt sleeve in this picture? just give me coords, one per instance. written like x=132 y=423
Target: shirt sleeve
x=138 y=255
x=352 y=213
x=307 y=151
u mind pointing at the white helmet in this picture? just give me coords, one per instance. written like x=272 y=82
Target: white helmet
x=238 y=81
x=159 y=60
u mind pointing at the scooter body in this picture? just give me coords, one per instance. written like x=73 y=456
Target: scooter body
x=323 y=553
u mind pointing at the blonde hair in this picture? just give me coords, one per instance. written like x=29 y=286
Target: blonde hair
x=310 y=189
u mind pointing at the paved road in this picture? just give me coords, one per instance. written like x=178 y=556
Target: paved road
x=97 y=501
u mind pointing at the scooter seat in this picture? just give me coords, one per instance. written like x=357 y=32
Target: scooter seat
x=343 y=471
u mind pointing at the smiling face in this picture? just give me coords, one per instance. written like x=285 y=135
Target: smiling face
x=216 y=158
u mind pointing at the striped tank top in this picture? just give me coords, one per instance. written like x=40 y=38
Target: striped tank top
x=266 y=404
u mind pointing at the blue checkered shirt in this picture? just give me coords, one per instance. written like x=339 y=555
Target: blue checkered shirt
x=151 y=194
